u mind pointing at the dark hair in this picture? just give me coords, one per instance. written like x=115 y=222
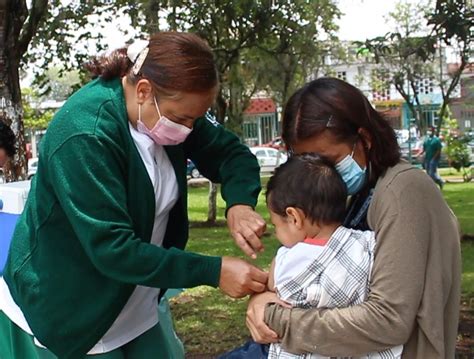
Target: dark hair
x=334 y=105
x=176 y=61
x=7 y=139
x=311 y=183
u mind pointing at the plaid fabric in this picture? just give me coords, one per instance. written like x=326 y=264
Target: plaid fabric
x=339 y=277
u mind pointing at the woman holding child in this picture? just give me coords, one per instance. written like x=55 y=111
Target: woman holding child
x=414 y=292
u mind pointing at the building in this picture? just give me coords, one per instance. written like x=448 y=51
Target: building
x=462 y=108
x=260 y=124
x=374 y=80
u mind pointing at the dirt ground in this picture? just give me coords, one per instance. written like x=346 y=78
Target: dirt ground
x=465 y=345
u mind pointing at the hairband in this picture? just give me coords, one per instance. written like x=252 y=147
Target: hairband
x=137 y=53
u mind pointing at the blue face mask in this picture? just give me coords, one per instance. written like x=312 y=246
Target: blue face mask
x=351 y=173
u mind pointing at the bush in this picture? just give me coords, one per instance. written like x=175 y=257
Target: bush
x=457 y=149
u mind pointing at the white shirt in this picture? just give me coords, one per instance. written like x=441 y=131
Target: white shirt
x=141 y=312
x=290 y=262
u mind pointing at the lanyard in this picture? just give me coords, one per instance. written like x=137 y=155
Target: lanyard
x=357 y=215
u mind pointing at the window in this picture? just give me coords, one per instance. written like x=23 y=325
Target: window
x=380 y=85
x=424 y=86
x=261 y=153
x=467 y=124
x=341 y=75
x=272 y=153
x=430 y=117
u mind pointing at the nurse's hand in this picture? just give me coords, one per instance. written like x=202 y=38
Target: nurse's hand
x=239 y=278
x=246 y=226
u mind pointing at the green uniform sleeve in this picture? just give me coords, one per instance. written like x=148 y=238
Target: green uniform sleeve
x=87 y=173
x=220 y=156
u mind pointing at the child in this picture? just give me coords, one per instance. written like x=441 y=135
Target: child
x=321 y=264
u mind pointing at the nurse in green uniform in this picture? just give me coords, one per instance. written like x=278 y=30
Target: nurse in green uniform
x=104 y=229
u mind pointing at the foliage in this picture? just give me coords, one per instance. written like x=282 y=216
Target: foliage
x=33 y=117
x=403 y=56
x=414 y=50
x=64 y=36
x=255 y=43
x=457 y=149
x=59 y=84
x=249 y=38
x=49 y=33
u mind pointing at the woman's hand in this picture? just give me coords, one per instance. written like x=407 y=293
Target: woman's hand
x=246 y=226
x=261 y=333
x=239 y=278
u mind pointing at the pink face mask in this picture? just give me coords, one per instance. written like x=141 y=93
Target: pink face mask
x=165 y=132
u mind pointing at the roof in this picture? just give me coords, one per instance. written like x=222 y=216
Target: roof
x=260 y=105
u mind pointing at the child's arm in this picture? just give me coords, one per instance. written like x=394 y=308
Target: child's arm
x=271 y=277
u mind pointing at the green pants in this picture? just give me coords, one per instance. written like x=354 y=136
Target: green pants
x=17 y=344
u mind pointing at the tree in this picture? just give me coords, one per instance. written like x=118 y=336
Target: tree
x=403 y=56
x=244 y=35
x=17 y=27
x=457 y=148
x=452 y=21
x=39 y=29
x=412 y=54
x=33 y=117
x=303 y=35
x=58 y=84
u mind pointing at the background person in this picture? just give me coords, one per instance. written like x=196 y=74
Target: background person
x=432 y=148
x=7 y=144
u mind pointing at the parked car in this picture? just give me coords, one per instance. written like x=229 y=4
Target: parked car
x=470 y=145
x=192 y=171
x=268 y=158
x=32 y=167
x=417 y=156
x=416 y=145
x=277 y=143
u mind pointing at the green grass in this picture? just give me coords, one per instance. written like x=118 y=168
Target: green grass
x=460 y=197
x=467 y=249
x=208 y=322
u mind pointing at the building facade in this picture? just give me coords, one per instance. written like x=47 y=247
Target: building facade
x=462 y=108
x=260 y=123
x=374 y=80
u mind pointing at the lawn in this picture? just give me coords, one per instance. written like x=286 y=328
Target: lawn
x=209 y=323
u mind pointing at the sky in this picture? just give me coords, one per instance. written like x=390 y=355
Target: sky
x=361 y=19
x=365 y=19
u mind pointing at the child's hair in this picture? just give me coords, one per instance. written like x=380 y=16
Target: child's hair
x=312 y=184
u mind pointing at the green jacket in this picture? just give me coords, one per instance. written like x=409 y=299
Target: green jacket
x=82 y=243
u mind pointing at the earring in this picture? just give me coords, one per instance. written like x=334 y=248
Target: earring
x=139 y=112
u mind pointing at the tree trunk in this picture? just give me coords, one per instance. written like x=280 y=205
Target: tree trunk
x=12 y=15
x=212 y=210
x=442 y=114
x=220 y=110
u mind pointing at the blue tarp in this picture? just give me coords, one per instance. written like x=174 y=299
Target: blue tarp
x=7 y=226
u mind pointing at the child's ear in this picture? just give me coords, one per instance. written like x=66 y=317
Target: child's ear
x=295 y=216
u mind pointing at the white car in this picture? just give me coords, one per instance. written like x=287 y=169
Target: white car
x=268 y=158
x=32 y=167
